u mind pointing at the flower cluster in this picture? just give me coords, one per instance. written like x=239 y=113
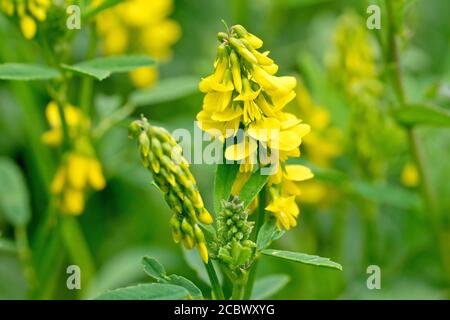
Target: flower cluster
x=232 y=244
x=244 y=93
x=79 y=169
x=162 y=155
x=139 y=26
x=28 y=12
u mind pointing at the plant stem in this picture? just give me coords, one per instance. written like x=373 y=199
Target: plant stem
x=239 y=288
x=87 y=82
x=77 y=248
x=215 y=285
x=24 y=252
x=259 y=223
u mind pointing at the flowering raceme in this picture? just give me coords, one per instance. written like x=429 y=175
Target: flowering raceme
x=244 y=93
x=139 y=26
x=163 y=157
x=79 y=169
x=28 y=13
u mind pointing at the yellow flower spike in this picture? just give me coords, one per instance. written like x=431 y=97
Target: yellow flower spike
x=28 y=27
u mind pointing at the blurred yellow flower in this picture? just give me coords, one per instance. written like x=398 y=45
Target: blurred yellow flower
x=29 y=12
x=79 y=169
x=139 y=26
x=410 y=175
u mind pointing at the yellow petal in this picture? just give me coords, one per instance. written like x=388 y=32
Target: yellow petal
x=28 y=27
x=297 y=172
x=95 y=176
x=241 y=150
x=73 y=201
x=77 y=170
x=227 y=115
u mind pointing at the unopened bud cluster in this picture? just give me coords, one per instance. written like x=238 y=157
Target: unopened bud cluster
x=233 y=231
x=162 y=155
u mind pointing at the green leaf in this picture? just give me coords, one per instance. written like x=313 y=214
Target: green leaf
x=152 y=291
x=268 y=233
x=99 y=8
x=26 y=72
x=303 y=258
x=253 y=186
x=421 y=114
x=267 y=286
x=14 y=197
x=223 y=182
x=153 y=268
x=166 y=90
x=102 y=68
x=194 y=291
x=394 y=196
x=156 y=270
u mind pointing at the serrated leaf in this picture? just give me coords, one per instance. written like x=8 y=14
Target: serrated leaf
x=153 y=268
x=421 y=114
x=152 y=291
x=27 y=72
x=101 y=68
x=14 y=197
x=303 y=258
x=253 y=186
x=267 y=286
x=268 y=233
x=166 y=90
x=223 y=182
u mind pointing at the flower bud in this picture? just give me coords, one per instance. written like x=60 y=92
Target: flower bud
x=242 y=50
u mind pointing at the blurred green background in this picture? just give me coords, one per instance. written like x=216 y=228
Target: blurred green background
x=367 y=217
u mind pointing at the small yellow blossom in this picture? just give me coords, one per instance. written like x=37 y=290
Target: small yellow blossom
x=410 y=175
x=79 y=169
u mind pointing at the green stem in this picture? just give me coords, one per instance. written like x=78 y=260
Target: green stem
x=239 y=286
x=215 y=285
x=24 y=252
x=87 y=83
x=259 y=223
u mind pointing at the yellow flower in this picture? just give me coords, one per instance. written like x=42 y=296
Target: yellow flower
x=243 y=92
x=285 y=210
x=53 y=137
x=28 y=13
x=75 y=175
x=139 y=26
x=79 y=170
x=410 y=175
